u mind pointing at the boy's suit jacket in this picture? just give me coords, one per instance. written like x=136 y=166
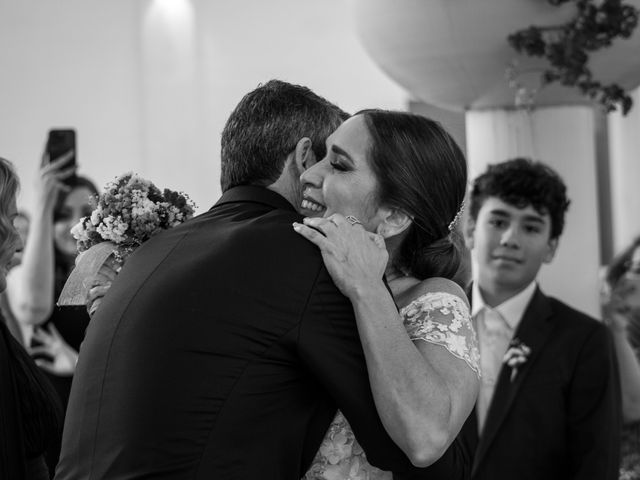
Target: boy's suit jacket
x=560 y=417
x=221 y=352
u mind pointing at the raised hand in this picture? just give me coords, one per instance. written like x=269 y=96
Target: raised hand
x=63 y=357
x=51 y=178
x=356 y=259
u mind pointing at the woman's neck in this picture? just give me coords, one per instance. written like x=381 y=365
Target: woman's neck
x=400 y=283
x=393 y=273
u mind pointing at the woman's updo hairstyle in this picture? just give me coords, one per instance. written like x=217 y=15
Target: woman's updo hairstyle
x=421 y=171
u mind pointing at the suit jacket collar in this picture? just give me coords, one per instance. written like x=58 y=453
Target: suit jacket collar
x=254 y=194
x=533 y=331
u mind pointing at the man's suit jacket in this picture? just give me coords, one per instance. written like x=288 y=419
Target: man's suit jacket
x=221 y=352
x=560 y=417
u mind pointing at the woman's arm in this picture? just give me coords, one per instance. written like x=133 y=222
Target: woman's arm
x=423 y=393
x=30 y=284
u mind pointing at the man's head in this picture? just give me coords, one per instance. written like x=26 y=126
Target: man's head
x=516 y=217
x=274 y=123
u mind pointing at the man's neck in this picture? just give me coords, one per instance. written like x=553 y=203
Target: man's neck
x=494 y=295
x=284 y=192
x=288 y=185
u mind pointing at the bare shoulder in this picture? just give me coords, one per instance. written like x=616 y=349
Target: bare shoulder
x=435 y=285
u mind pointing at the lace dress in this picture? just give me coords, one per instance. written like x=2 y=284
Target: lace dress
x=436 y=317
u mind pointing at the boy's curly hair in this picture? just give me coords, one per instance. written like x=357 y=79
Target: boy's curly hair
x=522 y=182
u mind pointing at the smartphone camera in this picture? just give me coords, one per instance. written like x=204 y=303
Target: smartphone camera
x=59 y=142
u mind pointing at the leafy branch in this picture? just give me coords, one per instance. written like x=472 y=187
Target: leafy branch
x=566 y=47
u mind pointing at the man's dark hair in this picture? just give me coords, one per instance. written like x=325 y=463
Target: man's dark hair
x=266 y=126
x=522 y=182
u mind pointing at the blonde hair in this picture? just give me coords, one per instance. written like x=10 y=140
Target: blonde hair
x=9 y=185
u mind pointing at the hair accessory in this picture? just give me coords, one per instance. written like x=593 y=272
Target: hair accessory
x=454 y=222
x=353 y=220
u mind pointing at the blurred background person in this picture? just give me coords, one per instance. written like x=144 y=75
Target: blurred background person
x=30 y=412
x=621 y=312
x=48 y=258
x=19 y=331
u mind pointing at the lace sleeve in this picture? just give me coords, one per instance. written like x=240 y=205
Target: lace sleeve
x=443 y=319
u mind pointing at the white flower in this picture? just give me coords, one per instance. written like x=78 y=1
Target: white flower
x=96 y=216
x=517 y=354
x=79 y=232
x=113 y=229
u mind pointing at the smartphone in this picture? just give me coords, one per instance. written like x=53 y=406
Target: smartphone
x=59 y=142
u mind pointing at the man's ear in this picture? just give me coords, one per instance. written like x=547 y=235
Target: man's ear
x=469 y=230
x=551 y=252
x=394 y=222
x=304 y=157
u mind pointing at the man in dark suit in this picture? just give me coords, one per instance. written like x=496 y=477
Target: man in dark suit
x=549 y=404
x=223 y=348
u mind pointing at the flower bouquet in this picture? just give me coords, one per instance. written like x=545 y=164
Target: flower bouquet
x=129 y=212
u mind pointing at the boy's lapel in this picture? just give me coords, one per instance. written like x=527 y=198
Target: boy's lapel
x=533 y=331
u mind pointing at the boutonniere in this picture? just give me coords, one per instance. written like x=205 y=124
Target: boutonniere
x=516 y=355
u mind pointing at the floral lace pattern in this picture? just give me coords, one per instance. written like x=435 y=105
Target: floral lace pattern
x=440 y=318
x=443 y=319
x=341 y=457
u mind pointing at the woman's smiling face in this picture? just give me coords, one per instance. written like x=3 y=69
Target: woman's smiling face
x=77 y=204
x=343 y=181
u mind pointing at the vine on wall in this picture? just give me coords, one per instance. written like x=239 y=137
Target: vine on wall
x=596 y=24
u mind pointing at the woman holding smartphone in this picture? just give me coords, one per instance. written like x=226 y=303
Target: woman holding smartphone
x=53 y=334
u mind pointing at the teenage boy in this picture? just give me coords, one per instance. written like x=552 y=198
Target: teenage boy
x=549 y=404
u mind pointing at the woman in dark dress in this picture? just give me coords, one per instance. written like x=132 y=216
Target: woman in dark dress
x=35 y=284
x=30 y=414
x=622 y=314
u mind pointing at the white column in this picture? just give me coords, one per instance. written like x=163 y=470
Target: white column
x=172 y=96
x=624 y=162
x=563 y=138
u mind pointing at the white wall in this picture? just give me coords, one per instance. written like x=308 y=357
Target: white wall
x=149 y=84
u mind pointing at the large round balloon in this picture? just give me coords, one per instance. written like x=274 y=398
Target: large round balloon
x=455 y=54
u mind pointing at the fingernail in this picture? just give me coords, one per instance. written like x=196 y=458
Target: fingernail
x=296 y=226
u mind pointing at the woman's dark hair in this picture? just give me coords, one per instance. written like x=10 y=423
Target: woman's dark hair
x=421 y=171
x=620 y=263
x=9 y=185
x=618 y=267
x=63 y=262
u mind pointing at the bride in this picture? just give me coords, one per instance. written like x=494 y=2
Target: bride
x=385 y=200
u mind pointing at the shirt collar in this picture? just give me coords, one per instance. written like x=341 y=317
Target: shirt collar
x=255 y=194
x=511 y=309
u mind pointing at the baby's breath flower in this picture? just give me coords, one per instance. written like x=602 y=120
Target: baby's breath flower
x=130 y=211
